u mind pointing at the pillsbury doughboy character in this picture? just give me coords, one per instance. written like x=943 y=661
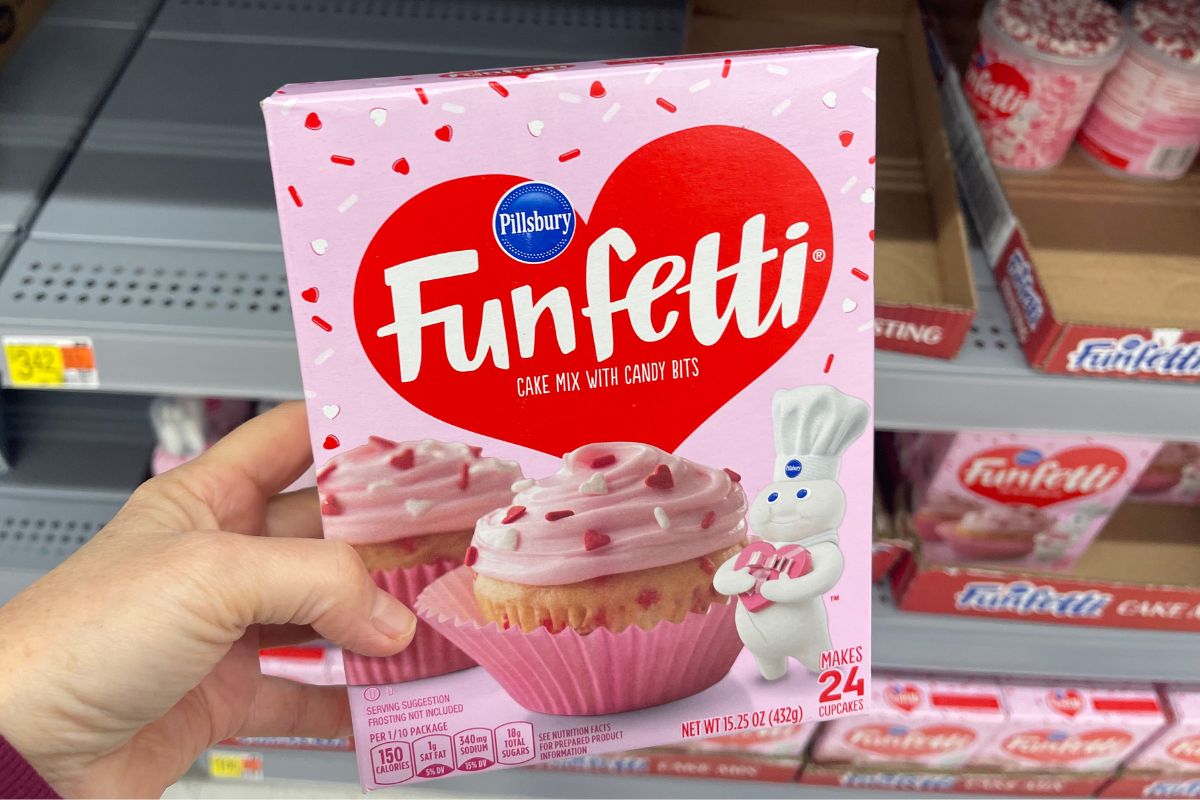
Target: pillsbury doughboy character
x=780 y=581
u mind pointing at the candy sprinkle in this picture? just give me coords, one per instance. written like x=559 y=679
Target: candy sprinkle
x=600 y=462
x=709 y=518
x=554 y=516
x=593 y=540
x=660 y=516
x=471 y=556
x=379 y=441
x=330 y=507
x=596 y=484
x=464 y=477
x=661 y=478
x=733 y=476
x=404 y=460
x=513 y=514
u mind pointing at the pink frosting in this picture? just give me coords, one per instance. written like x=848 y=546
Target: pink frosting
x=946 y=504
x=632 y=507
x=382 y=491
x=1075 y=28
x=1007 y=519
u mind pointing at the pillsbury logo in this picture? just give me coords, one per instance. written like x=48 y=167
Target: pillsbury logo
x=1135 y=355
x=1026 y=598
x=534 y=222
x=793 y=468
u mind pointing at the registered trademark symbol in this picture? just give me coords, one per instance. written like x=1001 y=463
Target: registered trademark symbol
x=818 y=255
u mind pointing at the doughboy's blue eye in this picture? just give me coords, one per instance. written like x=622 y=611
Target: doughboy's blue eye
x=803 y=493
x=772 y=497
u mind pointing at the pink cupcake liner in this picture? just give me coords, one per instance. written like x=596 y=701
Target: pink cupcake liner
x=998 y=549
x=598 y=673
x=429 y=654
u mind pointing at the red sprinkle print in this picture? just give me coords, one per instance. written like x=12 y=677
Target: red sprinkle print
x=871 y=234
x=322 y=324
x=464 y=477
x=706 y=564
x=871 y=160
x=594 y=539
x=828 y=362
x=725 y=68
x=295 y=197
x=661 y=478
x=379 y=441
x=597 y=91
x=858 y=273
x=667 y=104
x=421 y=94
x=513 y=514
x=709 y=518
x=312 y=122
x=444 y=133
x=554 y=516
x=733 y=476
x=344 y=161
x=400 y=165
x=498 y=88
x=471 y=556
x=331 y=442
x=310 y=294
x=846 y=137
x=600 y=462
x=647 y=598
x=330 y=507
x=326 y=471
x=404 y=459
x=567 y=156
x=475 y=451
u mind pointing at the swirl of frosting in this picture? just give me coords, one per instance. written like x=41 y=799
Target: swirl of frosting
x=383 y=491
x=613 y=508
x=1018 y=519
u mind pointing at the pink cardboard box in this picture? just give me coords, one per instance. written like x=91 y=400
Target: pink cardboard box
x=1172 y=477
x=1177 y=748
x=1075 y=729
x=916 y=721
x=1019 y=500
x=659 y=267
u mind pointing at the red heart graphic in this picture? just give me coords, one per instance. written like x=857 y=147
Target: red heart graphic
x=666 y=196
x=400 y=165
x=903 y=742
x=846 y=137
x=444 y=133
x=312 y=121
x=310 y=294
x=1060 y=747
x=597 y=90
x=1067 y=702
x=766 y=563
x=905 y=697
x=1023 y=475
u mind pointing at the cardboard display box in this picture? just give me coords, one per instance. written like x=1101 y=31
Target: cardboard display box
x=1098 y=273
x=1143 y=571
x=1152 y=784
x=925 y=295
x=928 y=781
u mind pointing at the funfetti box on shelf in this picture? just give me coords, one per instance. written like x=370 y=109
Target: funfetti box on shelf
x=650 y=267
x=1020 y=500
x=1072 y=728
x=1177 y=748
x=915 y=721
x=1172 y=477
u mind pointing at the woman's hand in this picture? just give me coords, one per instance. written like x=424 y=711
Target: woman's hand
x=139 y=651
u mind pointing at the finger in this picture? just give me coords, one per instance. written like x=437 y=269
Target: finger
x=295 y=515
x=317 y=582
x=285 y=708
x=271 y=450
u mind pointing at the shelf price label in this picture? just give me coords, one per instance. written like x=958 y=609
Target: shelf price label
x=49 y=361
x=233 y=765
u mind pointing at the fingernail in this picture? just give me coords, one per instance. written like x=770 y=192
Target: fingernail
x=392 y=618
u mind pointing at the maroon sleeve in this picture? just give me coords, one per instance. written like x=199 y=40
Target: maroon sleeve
x=18 y=779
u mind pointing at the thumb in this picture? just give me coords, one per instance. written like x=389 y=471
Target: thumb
x=313 y=582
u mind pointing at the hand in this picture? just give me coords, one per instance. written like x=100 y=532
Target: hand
x=139 y=651
x=733 y=582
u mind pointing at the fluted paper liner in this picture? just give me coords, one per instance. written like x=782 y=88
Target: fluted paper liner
x=576 y=674
x=429 y=654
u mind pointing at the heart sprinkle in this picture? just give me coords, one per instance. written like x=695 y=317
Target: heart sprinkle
x=503 y=539
x=378 y=116
x=597 y=91
x=522 y=485
x=513 y=514
x=660 y=516
x=829 y=100
x=310 y=294
x=330 y=507
x=417 y=507
x=319 y=246
x=444 y=133
x=379 y=441
x=330 y=411
x=331 y=442
x=594 y=539
x=848 y=305
x=471 y=556
x=404 y=460
x=733 y=476
x=400 y=165
x=868 y=195
x=661 y=478
x=536 y=126
x=464 y=477
x=846 y=137
x=554 y=516
x=709 y=518
x=312 y=121
x=600 y=462
x=596 y=484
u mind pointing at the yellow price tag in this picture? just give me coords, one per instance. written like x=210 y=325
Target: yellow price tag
x=35 y=364
x=235 y=765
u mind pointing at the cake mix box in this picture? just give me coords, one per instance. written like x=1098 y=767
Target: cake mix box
x=1177 y=749
x=1072 y=728
x=1172 y=477
x=916 y=721
x=588 y=357
x=1016 y=499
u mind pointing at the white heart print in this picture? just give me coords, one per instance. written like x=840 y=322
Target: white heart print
x=379 y=116
x=332 y=410
x=536 y=126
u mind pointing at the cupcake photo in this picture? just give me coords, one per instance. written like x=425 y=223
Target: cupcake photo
x=1166 y=470
x=996 y=532
x=939 y=508
x=591 y=593
x=409 y=510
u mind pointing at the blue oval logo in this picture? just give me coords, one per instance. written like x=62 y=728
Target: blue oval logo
x=1027 y=458
x=793 y=468
x=534 y=222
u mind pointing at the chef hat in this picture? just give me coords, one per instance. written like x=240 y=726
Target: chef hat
x=813 y=427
